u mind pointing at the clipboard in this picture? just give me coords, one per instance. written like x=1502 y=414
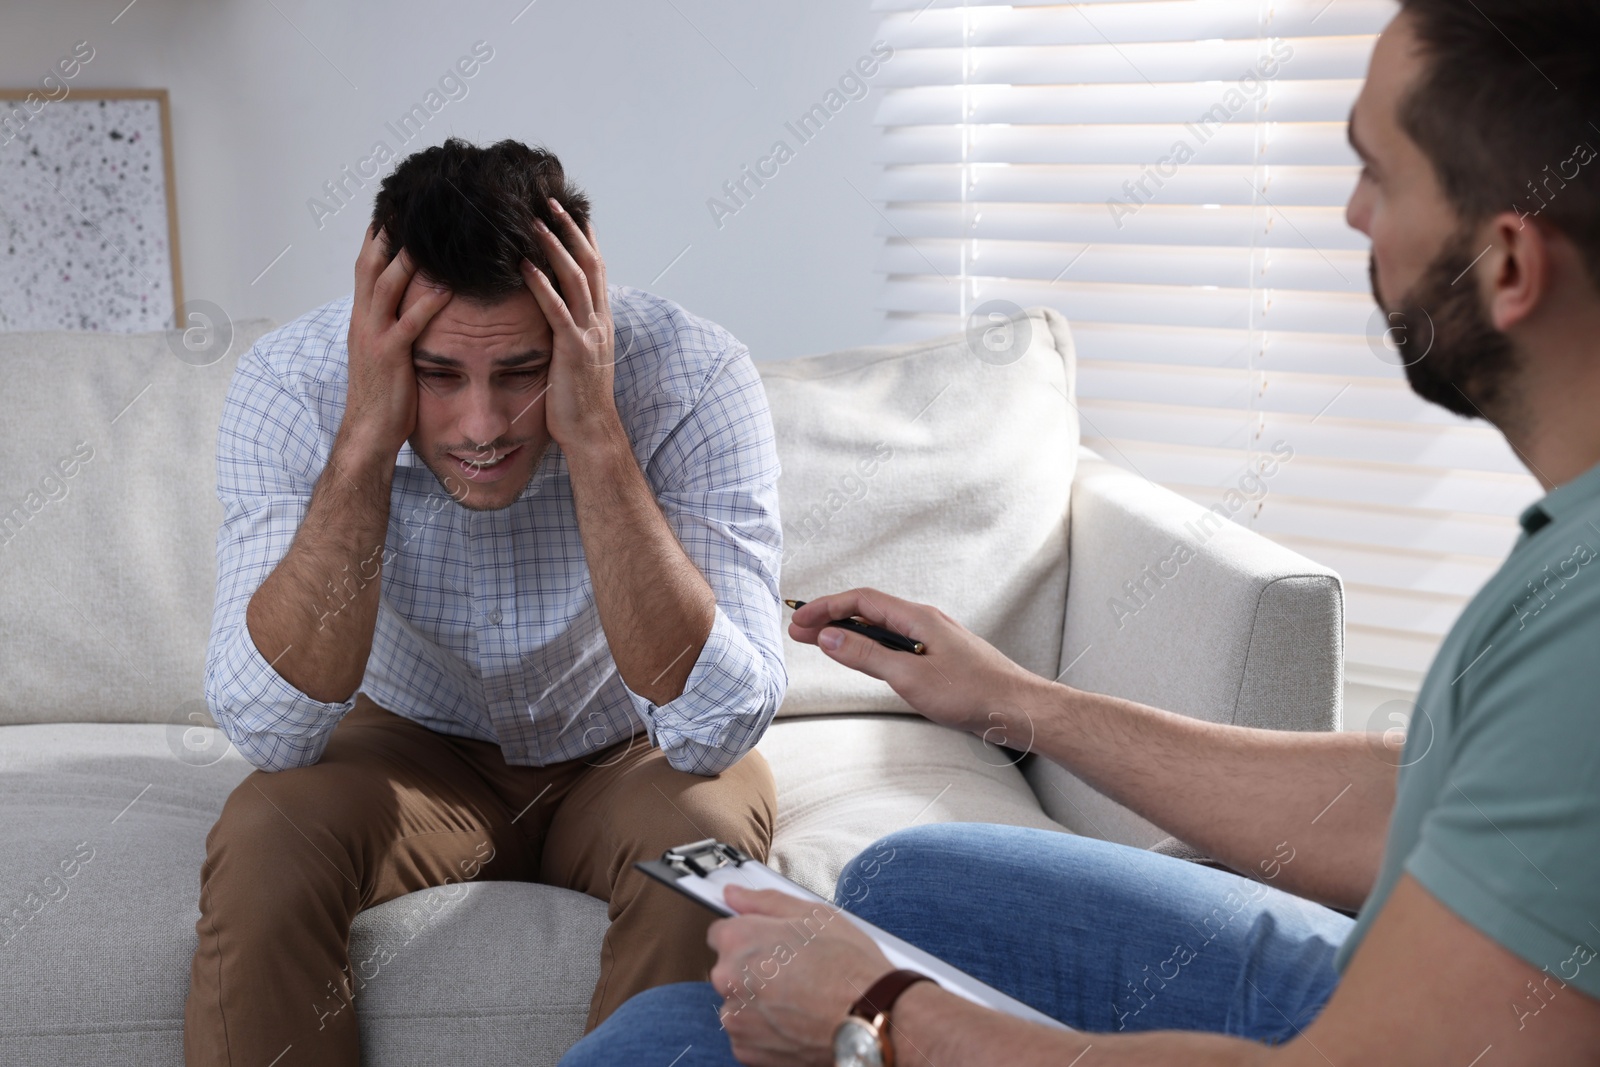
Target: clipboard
x=701 y=871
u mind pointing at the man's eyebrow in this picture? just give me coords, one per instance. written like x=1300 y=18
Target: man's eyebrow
x=420 y=356
x=533 y=355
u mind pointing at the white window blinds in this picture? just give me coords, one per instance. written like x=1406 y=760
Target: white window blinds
x=1171 y=175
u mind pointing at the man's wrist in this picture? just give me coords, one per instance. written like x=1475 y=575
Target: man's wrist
x=1044 y=695
x=919 y=1008
x=359 y=459
x=601 y=451
x=1015 y=710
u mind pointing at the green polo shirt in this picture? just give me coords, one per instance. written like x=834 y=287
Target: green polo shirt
x=1498 y=809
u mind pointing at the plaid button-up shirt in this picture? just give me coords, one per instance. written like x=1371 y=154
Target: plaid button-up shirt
x=487 y=625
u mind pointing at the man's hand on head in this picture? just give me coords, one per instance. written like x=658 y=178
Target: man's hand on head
x=580 y=408
x=381 y=401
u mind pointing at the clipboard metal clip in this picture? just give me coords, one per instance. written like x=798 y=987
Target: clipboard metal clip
x=703 y=857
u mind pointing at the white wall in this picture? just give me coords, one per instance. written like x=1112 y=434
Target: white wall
x=651 y=105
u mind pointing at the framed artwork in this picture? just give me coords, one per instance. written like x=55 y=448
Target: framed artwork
x=88 y=213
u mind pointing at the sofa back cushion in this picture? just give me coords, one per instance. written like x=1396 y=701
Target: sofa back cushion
x=921 y=469
x=938 y=471
x=108 y=523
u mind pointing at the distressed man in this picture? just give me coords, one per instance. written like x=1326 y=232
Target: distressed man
x=497 y=599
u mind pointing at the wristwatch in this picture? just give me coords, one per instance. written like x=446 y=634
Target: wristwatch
x=862 y=1040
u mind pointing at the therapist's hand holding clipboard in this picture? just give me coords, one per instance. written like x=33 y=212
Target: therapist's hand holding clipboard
x=775 y=930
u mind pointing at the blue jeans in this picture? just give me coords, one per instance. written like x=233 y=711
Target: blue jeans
x=1102 y=937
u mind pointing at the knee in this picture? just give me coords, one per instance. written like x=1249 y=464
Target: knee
x=248 y=815
x=266 y=805
x=742 y=800
x=655 y=1025
x=748 y=802
x=917 y=860
x=738 y=806
x=266 y=824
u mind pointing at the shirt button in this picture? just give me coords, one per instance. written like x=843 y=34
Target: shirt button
x=495 y=616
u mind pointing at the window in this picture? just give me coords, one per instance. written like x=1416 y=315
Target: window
x=1171 y=175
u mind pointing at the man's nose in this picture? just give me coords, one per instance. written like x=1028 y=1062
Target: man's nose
x=1358 y=210
x=484 y=423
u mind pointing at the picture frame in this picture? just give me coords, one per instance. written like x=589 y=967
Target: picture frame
x=89 y=212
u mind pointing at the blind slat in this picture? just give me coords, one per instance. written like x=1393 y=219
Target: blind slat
x=1346 y=359
x=1050 y=261
x=1374 y=654
x=1372 y=526
x=1105 y=64
x=1465 y=492
x=1196 y=408
x=1301 y=144
x=1220 y=226
x=1417 y=613
x=1220 y=308
x=1419 y=572
x=944 y=24
x=1284 y=101
x=1196 y=183
x=1393 y=411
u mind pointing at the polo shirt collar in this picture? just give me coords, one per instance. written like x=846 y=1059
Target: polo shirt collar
x=1579 y=494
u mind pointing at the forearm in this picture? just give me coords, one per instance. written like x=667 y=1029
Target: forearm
x=655 y=606
x=933 y=1028
x=1307 y=812
x=313 y=616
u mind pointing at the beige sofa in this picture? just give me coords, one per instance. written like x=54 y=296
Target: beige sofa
x=944 y=472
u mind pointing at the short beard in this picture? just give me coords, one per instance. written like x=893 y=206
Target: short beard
x=1468 y=367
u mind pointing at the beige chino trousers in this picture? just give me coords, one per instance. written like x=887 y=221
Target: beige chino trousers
x=394 y=807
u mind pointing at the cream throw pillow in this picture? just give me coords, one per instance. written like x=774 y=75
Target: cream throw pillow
x=938 y=471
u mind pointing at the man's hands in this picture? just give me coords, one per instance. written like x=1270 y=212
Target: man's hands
x=381 y=404
x=580 y=407
x=321 y=652
x=961 y=681
x=788 y=972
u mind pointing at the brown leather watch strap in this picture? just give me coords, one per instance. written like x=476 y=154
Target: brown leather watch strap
x=882 y=994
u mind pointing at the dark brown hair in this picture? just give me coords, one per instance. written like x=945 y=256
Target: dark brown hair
x=1506 y=110
x=465 y=214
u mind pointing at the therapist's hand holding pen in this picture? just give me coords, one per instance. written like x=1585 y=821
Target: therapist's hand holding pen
x=958 y=679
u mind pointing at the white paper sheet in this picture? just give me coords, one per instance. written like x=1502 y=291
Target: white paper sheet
x=754 y=875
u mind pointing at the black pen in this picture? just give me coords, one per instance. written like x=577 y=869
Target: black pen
x=886 y=638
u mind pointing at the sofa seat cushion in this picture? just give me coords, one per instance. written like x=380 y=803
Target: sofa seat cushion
x=846 y=781
x=100 y=859
x=105 y=834
x=938 y=471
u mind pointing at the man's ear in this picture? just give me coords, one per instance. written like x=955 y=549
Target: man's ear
x=1516 y=268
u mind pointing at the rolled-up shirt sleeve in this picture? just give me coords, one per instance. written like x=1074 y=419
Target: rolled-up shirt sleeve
x=270 y=451
x=716 y=480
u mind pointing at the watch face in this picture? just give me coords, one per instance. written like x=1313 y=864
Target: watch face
x=855 y=1044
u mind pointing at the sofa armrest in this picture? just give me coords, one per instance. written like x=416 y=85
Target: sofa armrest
x=1174 y=605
